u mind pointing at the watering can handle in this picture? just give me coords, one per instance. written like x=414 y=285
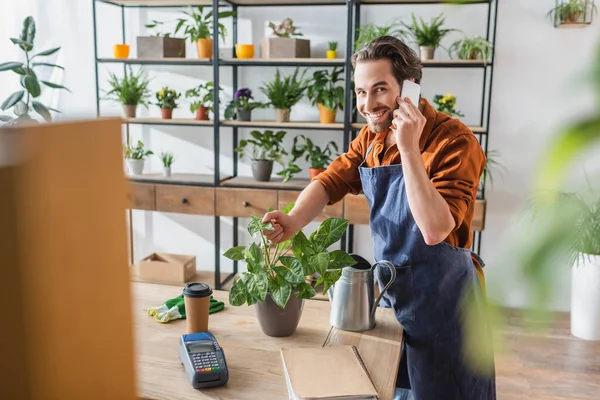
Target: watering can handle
x=392 y=278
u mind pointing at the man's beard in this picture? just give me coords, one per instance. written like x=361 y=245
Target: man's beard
x=380 y=126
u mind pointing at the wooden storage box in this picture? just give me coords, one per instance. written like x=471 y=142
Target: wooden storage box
x=167 y=268
x=160 y=47
x=284 y=48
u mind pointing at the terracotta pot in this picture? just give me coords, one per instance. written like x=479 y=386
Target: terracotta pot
x=326 y=115
x=312 y=172
x=282 y=115
x=331 y=54
x=129 y=110
x=204 y=48
x=167 y=113
x=202 y=113
x=277 y=322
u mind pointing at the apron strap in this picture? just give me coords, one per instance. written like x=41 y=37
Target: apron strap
x=479 y=259
x=366 y=154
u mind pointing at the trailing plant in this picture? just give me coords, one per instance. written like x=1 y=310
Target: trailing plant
x=167 y=98
x=316 y=156
x=24 y=101
x=475 y=48
x=167 y=159
x=203 y=100
x=372 y=31
x=200 y=26
x=287 y=92
x=285 y=29
x=491 y=166
x=242 y=101
x=426 y=34
x=281 y=269
x=136 y=153
x=332 y=46
x=131 y=90
x=322 y=89
x=571 y=11
x=154 y=26
x=447 y=104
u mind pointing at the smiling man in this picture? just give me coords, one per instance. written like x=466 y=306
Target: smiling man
x=419 y=170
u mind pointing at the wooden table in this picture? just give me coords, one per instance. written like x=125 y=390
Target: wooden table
x=253 y=358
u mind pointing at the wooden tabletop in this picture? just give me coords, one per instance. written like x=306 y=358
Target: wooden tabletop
x=253 y=358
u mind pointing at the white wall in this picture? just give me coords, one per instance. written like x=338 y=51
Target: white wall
x=540 y=84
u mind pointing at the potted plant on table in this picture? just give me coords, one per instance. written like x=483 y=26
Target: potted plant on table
x=284 y=93
x=199 y=29
x=267 y=147
x=447 y=104
x=474 y=48
x=167 y=160
x=241 y=105
x=324 y=93
x=427 y=36
x=204 y=102
x=136 y=157
x=317 y=157
x=572 y=11
x=130 y=91
x=167 y=101
x=276 y=278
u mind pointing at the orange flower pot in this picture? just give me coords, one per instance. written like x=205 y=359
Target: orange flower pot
x=202 y=113
x=244 y=50
x=326 y=115
x=204 y=48
x=167 y=113
x=121 y=50
x=312 y=172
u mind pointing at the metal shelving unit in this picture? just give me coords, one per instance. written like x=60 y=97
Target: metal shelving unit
x=349 y=126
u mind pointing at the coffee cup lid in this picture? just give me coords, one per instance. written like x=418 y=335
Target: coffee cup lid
x=197 y=289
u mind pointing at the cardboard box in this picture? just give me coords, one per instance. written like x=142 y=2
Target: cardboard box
x=284 y=48
x=160 y=47
x=167 y=268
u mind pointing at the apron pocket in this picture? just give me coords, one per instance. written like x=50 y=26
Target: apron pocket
x=400 y=295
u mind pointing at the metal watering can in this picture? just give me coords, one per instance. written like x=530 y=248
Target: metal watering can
x=352 y=297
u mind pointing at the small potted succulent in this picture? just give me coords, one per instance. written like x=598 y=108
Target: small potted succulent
x=317 y=157
x=204 y=95
x=267 y=147
x=199 y=29
x=241 y=105
x=284 y=42
x=167 y=160
x=284 y=93
x=167 y=101
x=447 y=104
x=136 y=157
x=427 y=35
x=130 y=91
x=332 y=52
x=474 y=48
x=324 y=93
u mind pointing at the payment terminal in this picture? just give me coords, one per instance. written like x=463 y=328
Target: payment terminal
x=203 y=360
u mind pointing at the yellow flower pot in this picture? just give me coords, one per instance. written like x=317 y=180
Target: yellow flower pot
x=326 y=115
x=244 y=50
x=331 y=54
x=121 y=50
x=205 y=48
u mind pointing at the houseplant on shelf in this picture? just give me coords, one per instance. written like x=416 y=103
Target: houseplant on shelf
x=199 y=29
x=447 y=104
x=474 y=48
x=427 y=36
x=332 y=52
x=241 y=105
x=204 y=102
x=317 y=157
x=27 y=100
x=284 y=93
x=276 y=278
x=267 y=147
x=167 y=161
x=167 y=101
x=131 y=91
x=136 y=157
x=159 y=44
x=372 y=31
x=324 y=93
x=571 y=11
x=284 y=42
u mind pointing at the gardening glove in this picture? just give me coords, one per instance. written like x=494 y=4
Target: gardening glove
x=175 y=309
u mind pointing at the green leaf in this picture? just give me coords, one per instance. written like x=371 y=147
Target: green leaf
x=55 y=86
x=237 y=293
x=280 y=291
x=340 y=259
x=21 y=108
x=42 y=110
x=22 y=44
x=20 y=71
x=12 y=99
x=235 y=253
x=329 y=278
x=317 y=263
x=257 y=286
x=329 y=232
x=301 y=245
x=294 y=271
x=305 y=291
x=30 y=82
x=287 y=208
x=47 y=52
x=28 y=31
x=5 y=118
x=256 y=226
x=254 y=255
x=40 y=64
x=11 y=65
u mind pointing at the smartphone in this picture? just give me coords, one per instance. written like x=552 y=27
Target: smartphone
x=412 y=91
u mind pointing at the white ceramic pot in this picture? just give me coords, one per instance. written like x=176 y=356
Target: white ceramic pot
x=426 y=52
x=585 y=298
x=136 y=167
x=167 y=171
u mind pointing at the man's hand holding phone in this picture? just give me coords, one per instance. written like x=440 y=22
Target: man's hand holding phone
x=408 y=122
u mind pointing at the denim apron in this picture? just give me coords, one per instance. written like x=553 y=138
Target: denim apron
x=426 y=294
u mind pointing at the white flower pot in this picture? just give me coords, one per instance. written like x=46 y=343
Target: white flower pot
x=136 y=167
x=585 y=298
x=167 y=171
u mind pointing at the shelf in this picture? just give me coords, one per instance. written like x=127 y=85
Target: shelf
x=286 y=2
x=284 y=62
x=573 y=25
x=159 y=3
x=158 y=61
x=283 y=125
x=175 y=179
x=174 y=121
x=455 y=63
x=464 y=2
x=475 y=129
x=274 y=183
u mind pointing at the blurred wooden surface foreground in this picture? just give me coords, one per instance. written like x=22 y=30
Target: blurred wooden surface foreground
x=66 y=321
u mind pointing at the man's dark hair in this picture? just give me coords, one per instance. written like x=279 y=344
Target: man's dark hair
x=405 y=62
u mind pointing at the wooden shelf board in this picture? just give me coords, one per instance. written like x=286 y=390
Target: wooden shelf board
x=415 y=1
x=288 y=125
x=475 y=129
x=576 y=25
x=159 y=3
x=274 y=183
x=165 y=61
x=299 y=61
x=282 y=2
x=175 y=178
x=174 y=121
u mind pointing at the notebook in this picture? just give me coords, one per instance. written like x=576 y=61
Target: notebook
x=325 y=373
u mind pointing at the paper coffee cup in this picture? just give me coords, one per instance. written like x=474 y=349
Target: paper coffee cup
x=196 y=296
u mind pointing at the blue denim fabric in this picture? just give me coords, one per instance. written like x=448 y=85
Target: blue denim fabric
x=426 y=295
